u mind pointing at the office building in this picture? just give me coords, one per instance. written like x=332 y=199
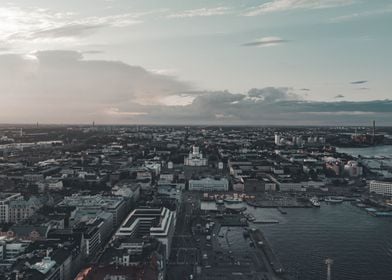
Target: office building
x=154 y=222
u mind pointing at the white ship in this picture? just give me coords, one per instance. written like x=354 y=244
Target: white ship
x=233 y=200
x=315 y=202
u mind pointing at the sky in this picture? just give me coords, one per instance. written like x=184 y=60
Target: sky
x=266 y=62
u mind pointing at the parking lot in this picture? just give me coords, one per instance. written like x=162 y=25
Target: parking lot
x=197 y=248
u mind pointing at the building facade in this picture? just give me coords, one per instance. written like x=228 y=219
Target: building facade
x=195 y=158
x=382 y=188
x=155 y=222
x=209 y=185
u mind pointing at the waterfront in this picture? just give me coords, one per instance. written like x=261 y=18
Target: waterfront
x=384 y=150
x=375 y=164
x=359 y=244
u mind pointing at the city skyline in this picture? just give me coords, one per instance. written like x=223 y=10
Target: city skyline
x=281 y=62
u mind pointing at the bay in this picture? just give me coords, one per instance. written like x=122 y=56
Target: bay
x=359 y=244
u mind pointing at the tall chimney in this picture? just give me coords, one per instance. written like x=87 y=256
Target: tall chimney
x=374 y=132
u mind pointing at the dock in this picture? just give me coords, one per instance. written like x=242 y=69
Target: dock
x=261 y=243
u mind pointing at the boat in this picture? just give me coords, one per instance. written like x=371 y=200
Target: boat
x=219 y=201
x=249 y=217
x=382 y=214
x=333 y=200
x=315 y=202
x=280 y=209
x=233 y=200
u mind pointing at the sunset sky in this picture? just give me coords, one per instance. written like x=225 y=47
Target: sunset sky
x=196 y=62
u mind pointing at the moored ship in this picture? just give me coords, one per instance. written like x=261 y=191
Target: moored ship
x=315 y=202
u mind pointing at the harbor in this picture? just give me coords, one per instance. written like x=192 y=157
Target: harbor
x=217 y=232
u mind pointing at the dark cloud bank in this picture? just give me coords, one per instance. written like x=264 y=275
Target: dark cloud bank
x=62 y=87
x=359 y=82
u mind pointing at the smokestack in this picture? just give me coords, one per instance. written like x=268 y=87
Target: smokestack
x=374 y=132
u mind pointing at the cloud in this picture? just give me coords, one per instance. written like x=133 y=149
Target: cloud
x=287 y=5
x=272 y=94
x=339 y=96
x=266 y=106
x=62 y=86
x=25 y=24
x=359 y=82
x=3 y=48
x=265 y=42
x=202 y=12
x=116 y=112
x=72 y=30
x=356 y=16
x=340 y=113
x=165 y=71
x=92 y=52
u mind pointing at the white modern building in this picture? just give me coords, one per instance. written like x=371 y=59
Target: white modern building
x=155 y=222
x=209 y=185
x=277 y=139
x=195 y=158
x=382 y=188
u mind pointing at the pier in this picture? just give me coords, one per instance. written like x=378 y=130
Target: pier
x=261 y=243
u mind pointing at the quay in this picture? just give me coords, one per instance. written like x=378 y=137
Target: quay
x=262 y=244
x=277 y=204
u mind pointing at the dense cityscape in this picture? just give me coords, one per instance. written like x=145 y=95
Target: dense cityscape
x=195 y=140
x=180 y=202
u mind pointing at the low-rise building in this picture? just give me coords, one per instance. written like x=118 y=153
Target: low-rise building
x=209 y=184
x=115 y=205
x=14 y=208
